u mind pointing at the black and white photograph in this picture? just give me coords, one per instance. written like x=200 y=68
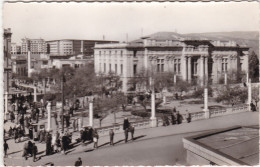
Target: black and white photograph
x=130 y=83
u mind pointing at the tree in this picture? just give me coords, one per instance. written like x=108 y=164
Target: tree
x=232 y=95
x=122 y=100
x=253 y=67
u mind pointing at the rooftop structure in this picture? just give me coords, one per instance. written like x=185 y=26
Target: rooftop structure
x=232 y=146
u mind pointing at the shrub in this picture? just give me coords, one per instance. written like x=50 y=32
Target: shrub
x=142 y=114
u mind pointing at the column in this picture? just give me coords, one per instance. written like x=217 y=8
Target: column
x=206 y=70
x=91 y=113
x=249 y=98
x=247 y=78
x=174 y=79
x=29 y=63
x=202 y=70
x=49 y=117
x=189 y=69
x=184 y=69
x=6 y=104
x=153 y=118
x=164 y=99
x=79 y=123
x=206 y=110
x=34 y=94
x=225 y=78
x=215 y=70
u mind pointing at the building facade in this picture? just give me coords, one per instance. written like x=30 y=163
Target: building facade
x=7 y=58
x=36 y=46
x=15 y=49
x=200 y=60
x=73 y=47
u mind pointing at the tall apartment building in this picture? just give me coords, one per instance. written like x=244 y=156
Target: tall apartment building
x=190 y=59
x=15 y=49
x=73 y=47
x=36 y=46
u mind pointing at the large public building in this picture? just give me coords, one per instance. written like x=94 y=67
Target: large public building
x=74 y=47
x=190 y=59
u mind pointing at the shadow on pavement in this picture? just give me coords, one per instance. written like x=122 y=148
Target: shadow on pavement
x=69 y=151
x=103 y=144
x=138 y=137
x=89 y=150
x=40 y=152
x=15 y=152
x=118 y=141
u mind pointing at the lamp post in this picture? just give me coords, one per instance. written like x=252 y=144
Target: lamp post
x=62 y=101
x=153 y=117
x=91 y=121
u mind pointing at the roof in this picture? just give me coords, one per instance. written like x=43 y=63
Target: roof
x=80 y=40
x=238 y=144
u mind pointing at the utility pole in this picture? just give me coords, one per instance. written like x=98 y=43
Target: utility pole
x=62 y=102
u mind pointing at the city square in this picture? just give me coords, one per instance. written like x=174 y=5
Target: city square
x=161 y=96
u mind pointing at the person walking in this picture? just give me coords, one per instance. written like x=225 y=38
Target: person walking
x=78 y=162
x=132 y=131
x=111 y=136
x=34 y=152
x=95 y=139
x=179 y=118
x=6 y=147
x=126 y=128
x=55 y=118
x=188 y=116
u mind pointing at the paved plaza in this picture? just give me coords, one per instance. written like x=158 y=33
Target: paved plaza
x=158 y=146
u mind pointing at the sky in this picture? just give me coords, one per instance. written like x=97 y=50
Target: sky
x=115 y=21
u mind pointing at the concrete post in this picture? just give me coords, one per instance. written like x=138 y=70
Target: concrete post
x=225 y=78
x=249 y=94
x=79 y=124
x=6 y=105
x=247 y=78
x=206 y=110
x=91 y=113
x=174 y=79
x=206 y=70
x=201 y=70
x=164 y=99
x=153 y=118
x=189 y=69
x=49 y=117
x=29 y=63
x=34 y=94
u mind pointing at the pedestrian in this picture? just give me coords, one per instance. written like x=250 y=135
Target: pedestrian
x=179 y=118
x=111 y=135
x=95 y=139
x=188 y=116
x=6 y=147
x=12 y=116
x=126 y=128
x=34 y=152
x=55 y=118
x=74 y=124
x=173 y=118
x=252 y=106
x=30 y=132
x=132 y=131
x=64 y=143
x=78 y=162
x=10 y=132
x=25 y=150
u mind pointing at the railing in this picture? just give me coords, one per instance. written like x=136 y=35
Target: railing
x=230 y=110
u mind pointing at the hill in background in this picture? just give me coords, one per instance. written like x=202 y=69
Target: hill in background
x=249 y=38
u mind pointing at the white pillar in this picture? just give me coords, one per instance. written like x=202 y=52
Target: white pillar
x=29 y=63
x=91 y=113
x=6 y=104
x=184 y=69
x=79 y=124
x=206 y=110
x=49 y=116
x=249 y=98
x=202 y=70
x=206 y=70
x=225 y=78
x=153 y=118
x=174 y=79
x=34 y=94
x=247 y=78
x=164 y=99
x=189 y=69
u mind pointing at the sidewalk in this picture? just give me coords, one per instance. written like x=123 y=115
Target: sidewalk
x=243 y=119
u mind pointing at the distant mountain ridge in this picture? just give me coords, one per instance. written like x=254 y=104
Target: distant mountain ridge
x=250 y=38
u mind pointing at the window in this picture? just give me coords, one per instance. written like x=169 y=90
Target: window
x=160 y=65
x=175 y=66
x=104 y=67
x=99 y=53
x=109 y=54
x=109 y=67
x=116 y=68
x=224 y=64
x=135 y=53
x=121 y=53
x=179 y=65
x=121 y=68
x=135 y=69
